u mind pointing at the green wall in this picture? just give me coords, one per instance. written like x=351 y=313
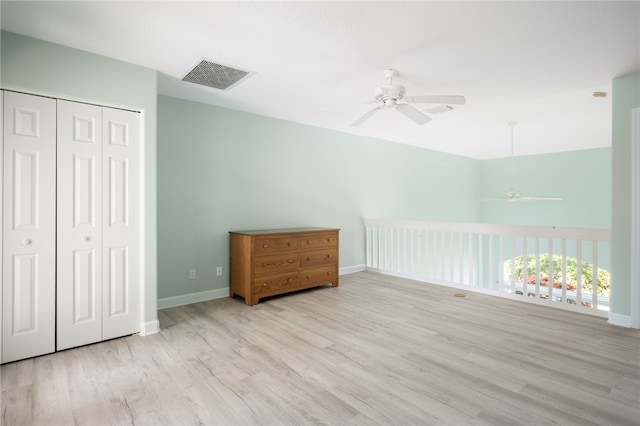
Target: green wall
x=626 y=97
x=223 y=170
x=43 y=68
x=581 y=178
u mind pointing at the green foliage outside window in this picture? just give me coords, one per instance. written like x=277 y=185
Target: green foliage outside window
x=571 y=273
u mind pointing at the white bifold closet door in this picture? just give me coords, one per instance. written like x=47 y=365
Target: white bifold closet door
x=97 y=223
x=28 y=240
x=71 y=230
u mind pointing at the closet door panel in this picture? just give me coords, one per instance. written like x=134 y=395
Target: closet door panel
x=121 y=236
x=79 y=225
x=28 y=239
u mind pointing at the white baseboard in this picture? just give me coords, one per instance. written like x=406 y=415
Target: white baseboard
x=619 y=320
x=149 y=327
x=352 y=269
x=219 y=293
x=187 y=299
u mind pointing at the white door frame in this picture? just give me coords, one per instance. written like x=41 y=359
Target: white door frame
x=635 y=218
x=1 y=205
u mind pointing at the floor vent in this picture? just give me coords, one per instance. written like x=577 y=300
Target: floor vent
x=215 y=75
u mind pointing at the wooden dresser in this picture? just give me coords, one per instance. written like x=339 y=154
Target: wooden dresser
x=269 y=262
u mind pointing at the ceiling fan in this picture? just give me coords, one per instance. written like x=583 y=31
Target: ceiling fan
x=512 y=194
x=392 y=96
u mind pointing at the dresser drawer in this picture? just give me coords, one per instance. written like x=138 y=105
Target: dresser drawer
x=276 y=283
x=276 y=263
x=263 y=245
x=321 y=275
x=316 y=241
x=318 y=257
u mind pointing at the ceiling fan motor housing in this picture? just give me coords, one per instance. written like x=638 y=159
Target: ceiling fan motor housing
x=390 y=94
x=512 y=194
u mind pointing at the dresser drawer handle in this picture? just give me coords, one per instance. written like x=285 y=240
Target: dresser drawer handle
x=309 y=242
x=308 y=277
x=328 y=256
x=265 y=245
x=264 y=284
x=289 y=244
x=328 y=273
x=308 y=259
x=269 y=264
x=291 y=261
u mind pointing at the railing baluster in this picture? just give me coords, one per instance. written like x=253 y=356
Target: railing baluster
x=426 y=253
x=394 y=249
x=379 y=263
x=491 y=271
x=437 y=253
x=550 y=271
x=480 y=262
x=470 y=259
x=501 y=267
x=402 y=249
x=419 y=254
x=525 y=266
x=443 y=255
x=594 y=279
x=452 y=259
x=579 y=272
x=564 y=270
x=537 y=257
x=513 y=266
x=437 y=249
x=411 y=251
x=460 y=257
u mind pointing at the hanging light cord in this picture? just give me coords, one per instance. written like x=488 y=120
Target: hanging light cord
x=512 y=125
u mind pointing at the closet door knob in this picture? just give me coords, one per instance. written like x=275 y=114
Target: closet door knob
x=85 y=239
x=26 y=242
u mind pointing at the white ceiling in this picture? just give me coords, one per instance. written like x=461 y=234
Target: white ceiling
x=536 y=63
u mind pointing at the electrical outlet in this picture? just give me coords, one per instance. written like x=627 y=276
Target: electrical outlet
x=192 y=274
x=219 y=271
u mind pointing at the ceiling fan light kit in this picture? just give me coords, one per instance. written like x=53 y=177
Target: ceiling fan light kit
x=392 y=96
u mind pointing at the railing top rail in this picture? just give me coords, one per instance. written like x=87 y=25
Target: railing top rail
x=575 y=233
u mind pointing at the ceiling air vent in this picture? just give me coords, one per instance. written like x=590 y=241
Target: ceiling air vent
x=215 y=75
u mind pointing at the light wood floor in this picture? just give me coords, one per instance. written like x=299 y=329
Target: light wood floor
x=376 y=350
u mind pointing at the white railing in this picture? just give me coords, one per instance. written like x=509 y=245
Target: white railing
x=565 y=267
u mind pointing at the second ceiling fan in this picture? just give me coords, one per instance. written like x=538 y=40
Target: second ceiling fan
x=392 y=96
x=512 y=194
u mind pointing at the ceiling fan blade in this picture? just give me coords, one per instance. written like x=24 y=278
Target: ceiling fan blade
x=541 y=198
x=512 y=194
x=442 y=99
x=413 y=114
x=366 y=116
x=516 y=199
x=440 y=109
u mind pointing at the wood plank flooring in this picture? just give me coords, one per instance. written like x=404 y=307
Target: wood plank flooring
x=378 y=350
